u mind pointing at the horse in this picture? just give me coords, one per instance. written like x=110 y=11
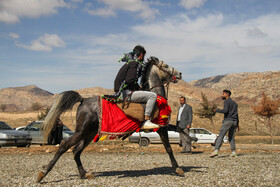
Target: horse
x=156 y=75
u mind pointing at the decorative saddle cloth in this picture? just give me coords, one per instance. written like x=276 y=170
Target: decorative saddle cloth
x=116 y=120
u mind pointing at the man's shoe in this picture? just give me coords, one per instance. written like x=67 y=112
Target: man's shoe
x=149 y=125
x=233 y=155
x=213 y=154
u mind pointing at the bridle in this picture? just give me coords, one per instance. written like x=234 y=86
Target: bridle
x=172 y=76
x=165 y=83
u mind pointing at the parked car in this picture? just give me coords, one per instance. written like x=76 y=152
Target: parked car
x=203 y=136
x=20 y=128
x=35 y=130
x=11 y=137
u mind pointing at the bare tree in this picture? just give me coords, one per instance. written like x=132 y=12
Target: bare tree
x=36 y=106
x=3 y=107
x=206 y=110
x=267 y=108
x=43 y=114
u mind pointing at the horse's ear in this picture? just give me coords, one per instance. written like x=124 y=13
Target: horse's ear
x=153 y=60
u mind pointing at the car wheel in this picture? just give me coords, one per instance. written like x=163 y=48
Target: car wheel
x=144 y=142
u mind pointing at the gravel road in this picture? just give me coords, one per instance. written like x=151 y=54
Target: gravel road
x=144 y=169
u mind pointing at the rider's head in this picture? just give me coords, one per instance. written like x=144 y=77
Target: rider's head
x=140 y=52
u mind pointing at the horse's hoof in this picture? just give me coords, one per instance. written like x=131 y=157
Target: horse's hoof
x=89 y=176
x=41 y=175
x=180 y=172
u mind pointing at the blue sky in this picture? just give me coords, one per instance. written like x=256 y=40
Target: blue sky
x=62 y=45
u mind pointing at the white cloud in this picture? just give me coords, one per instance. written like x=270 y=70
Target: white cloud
x=189 y=4
x=255 y=32
x=142 y=8
x=14 y=35
x=77 y=1
x=44 y=43
x=12 y=10
x=103 y=12
x=200 y=47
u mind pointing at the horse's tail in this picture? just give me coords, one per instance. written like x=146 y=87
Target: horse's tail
x=63 y=102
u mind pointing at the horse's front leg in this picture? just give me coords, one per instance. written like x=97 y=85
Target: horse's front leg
x=165 y=140
x=63 y=147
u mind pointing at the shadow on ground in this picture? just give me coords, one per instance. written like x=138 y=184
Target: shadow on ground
x=135 y=173
x=141 y=173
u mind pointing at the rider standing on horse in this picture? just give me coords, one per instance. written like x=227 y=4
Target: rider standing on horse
x=126 y=84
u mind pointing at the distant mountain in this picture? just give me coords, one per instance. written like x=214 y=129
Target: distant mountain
x=245 y=87
x=22 y=98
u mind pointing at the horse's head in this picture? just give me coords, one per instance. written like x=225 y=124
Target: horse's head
x=156 y=73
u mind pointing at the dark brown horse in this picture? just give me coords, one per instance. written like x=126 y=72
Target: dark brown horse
x=157 y=74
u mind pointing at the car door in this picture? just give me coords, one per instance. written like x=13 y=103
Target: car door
x=205 y=136
x=173 y=137
x=34 y=130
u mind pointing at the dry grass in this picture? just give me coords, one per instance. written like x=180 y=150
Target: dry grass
x=249 y=123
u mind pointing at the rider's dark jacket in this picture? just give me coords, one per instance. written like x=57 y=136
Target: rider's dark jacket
x=129 y=73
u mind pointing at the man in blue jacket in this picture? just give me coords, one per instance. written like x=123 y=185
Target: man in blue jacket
x=230 y=123
x=184 y=121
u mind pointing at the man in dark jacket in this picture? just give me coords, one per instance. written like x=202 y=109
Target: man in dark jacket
x=230 y=123
x=126 y=84
x=184 y=121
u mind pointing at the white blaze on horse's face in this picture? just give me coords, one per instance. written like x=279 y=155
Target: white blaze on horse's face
x=169 y=72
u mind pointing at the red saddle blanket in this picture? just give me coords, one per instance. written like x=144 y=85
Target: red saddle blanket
x=115 y=123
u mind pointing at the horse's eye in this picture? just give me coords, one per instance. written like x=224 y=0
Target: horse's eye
x=166 y=66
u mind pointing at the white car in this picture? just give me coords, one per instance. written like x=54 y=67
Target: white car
x=203 y=135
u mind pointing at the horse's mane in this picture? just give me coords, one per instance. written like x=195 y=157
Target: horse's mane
x=151 y=61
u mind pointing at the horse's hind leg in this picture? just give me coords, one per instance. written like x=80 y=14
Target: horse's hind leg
x=164 y=138
x=64 y=146
x=78 y=149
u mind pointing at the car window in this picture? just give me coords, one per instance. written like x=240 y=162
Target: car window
x=5 y=126
x=191 y=130
x=202 y=131
x=35 y=126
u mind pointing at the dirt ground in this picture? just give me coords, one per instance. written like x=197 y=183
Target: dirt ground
x=120 y=163
x=112 y=146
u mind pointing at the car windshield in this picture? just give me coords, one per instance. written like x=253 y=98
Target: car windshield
x=4 y=126
x=35 y=126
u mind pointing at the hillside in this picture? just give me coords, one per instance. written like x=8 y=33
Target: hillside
x=22 y=98
x=246 y=87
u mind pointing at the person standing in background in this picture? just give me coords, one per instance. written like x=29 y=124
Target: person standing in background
x=230 y=123
x=56 y=133
x=184 y=121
